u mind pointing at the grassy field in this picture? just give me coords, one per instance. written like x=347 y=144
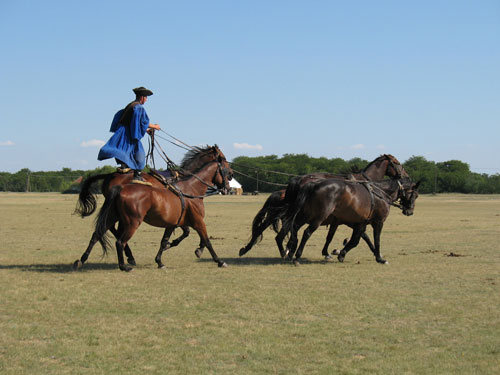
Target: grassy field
x=433 y=310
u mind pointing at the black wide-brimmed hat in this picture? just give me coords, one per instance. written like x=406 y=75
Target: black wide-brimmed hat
x=142 y=91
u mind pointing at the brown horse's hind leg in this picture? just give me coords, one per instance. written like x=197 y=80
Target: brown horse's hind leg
x=257 y=234
x=305 y=236
x=329 y=237
x=280 y=237
x=164 y=246
x=127 y=250
x=125 y=233
x=79 y=263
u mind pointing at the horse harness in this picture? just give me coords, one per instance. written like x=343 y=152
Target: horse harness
x=171 y=185
x=379 y=193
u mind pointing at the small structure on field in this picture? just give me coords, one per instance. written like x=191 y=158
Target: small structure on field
x=236 y=188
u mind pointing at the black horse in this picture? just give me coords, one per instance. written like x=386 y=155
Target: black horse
x=275 y=206
x=335 y=202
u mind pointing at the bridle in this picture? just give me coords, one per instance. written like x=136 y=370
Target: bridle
x=398 y=168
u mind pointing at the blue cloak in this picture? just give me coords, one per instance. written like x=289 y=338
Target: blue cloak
x=125 y=144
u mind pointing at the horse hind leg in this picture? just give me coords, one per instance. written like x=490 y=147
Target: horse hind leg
x=329 y=237
x=353 y=242
x=305 y=236
x=78 y=264
x=163 y=246
x=257 y=235
x=125 y=233
x=127 y=250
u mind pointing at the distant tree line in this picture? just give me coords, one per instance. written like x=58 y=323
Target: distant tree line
x=270 y=173
x=64 y=181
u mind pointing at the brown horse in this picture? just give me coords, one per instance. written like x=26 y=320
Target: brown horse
x=87 y=204
x=131 y=204
x=335 y=202
x=276 y=203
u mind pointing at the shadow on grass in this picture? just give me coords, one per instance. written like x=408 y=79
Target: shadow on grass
x=58 y=268
x=249 y=261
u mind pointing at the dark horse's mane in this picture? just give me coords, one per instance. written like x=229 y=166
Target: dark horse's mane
x=193 y=154
x=355 y=169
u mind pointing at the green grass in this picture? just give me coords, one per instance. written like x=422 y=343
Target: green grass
x=425 y=313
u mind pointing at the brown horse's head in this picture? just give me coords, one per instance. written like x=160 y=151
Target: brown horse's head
x=408 y=194
x=224 y=172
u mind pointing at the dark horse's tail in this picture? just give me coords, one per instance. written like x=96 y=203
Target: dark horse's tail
x=87 y=202
x=269 y=214
x=107 y=216
x=292 y=189
x=302 y=194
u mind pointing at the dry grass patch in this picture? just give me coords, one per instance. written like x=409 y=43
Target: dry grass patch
x=424 y=313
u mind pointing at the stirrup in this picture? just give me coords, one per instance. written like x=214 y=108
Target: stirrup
x=142 y=182
x=123 y=170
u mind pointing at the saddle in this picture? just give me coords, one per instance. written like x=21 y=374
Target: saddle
x=167 y=177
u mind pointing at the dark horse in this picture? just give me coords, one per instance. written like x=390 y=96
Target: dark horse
x=193 y=160
x=276 y=204
x=335 y=202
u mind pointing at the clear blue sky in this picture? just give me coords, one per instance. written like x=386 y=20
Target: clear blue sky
x=327 y=78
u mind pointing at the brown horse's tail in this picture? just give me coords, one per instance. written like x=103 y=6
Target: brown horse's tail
x=107 y=217
x=87 y=202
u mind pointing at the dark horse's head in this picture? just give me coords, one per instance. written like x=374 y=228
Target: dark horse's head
x=408 y=194
x=199 y=157
x=394 y=167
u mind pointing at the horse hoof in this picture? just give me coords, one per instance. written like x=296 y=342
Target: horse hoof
x=242 y=251
x=328 y=257
x=296 y=262
x=126 y=269
x=131 y=262
x=77 y=265
x=197 y=252
x=222 y=265
x=335 y=252
x=341 y=259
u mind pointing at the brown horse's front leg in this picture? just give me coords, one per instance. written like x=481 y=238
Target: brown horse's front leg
x=201 y=229
x=377 y=230
x=199 y=251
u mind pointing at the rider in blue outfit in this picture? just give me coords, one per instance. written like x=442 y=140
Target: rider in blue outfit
x=129 y=126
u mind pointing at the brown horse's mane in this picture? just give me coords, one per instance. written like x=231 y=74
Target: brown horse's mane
x=193 y=154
